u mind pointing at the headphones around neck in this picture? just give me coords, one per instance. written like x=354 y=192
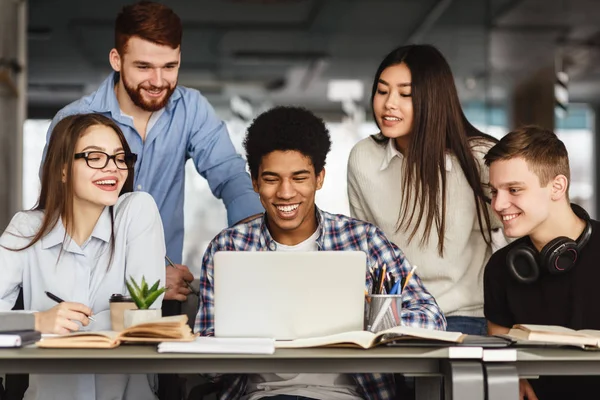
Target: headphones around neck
x=558 y=256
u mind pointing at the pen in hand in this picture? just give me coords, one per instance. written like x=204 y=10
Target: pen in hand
x=59 y=300
x=189 y=286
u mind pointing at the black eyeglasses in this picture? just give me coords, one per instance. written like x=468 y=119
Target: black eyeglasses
x=99 y=159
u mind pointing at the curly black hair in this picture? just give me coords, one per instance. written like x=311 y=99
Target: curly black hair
x=287 y=128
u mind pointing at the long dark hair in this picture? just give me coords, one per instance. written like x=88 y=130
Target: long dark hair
x=56 y=196
x=439 y=126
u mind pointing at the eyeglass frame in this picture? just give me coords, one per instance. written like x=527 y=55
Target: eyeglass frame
x=129 y=157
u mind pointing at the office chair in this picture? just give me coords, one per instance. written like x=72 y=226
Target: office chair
x=204 y=390
x=16 y=384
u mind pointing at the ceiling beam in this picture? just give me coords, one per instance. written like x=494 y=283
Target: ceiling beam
x=274 y=25
x=428 y=21
x=504 y=10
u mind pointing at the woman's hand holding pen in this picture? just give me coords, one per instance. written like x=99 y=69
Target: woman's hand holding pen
x=62 y=318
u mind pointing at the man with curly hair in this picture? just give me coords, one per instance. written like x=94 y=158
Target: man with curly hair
x=286 y=149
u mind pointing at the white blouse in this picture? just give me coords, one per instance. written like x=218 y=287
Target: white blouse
x=82 y=274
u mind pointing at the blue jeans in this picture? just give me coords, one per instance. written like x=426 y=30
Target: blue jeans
x=468 y=325
x=286 y=397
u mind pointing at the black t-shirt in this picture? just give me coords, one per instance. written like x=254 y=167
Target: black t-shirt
x=571 y=299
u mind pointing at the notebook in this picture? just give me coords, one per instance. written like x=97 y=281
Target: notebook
x=19 y=338
x=465 y=341
x=16 y=321
x=288 y=295
x=220 y=346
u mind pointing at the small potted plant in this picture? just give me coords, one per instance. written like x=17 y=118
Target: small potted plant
x=143 y=296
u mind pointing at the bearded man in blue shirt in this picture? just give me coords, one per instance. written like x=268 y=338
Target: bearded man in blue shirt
x=166 y=124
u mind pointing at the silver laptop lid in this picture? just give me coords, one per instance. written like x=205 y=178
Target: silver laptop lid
x=288 y=295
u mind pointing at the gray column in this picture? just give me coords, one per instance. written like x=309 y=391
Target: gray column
x=533 y=100
x=13 y=104
x=596 y=149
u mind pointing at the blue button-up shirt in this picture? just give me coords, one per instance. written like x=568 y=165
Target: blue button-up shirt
x=336 y=233
x=187 y=127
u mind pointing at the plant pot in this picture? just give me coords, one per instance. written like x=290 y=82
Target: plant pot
x=136 y=316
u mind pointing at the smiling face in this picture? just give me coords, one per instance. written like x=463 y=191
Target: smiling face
x=518 y=199
x=97 y=187
x=148 y=72
x=287 y=184
x=392 y=104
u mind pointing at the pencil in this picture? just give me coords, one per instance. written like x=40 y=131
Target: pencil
x=410 y=274
x=382 y=280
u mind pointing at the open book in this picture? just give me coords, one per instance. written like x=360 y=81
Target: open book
x=367 y=340
x=165 y=329
x=555 y=334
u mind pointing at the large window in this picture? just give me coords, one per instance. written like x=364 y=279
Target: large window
x=34 y=139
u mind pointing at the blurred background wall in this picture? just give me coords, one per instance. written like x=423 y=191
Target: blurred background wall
x=248 y=55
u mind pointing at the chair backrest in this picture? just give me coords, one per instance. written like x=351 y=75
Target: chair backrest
x=16 y=384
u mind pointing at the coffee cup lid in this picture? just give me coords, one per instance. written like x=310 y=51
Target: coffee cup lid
x=119 y=298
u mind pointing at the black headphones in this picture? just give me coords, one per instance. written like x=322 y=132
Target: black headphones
x=558 y=256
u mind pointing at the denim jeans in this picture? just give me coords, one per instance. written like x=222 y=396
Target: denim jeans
x=468 y=325
x=286 y=397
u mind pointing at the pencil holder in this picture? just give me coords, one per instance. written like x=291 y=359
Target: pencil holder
x=382 y=311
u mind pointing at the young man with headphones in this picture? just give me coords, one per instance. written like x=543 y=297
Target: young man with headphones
x=548 y=276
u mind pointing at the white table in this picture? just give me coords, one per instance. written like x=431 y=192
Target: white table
x=464 y=377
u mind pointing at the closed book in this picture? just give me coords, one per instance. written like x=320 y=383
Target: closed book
x=19 y=338
x=16 y=321
x=221 y=346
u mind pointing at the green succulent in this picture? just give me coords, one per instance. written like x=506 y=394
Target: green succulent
x=142 y=295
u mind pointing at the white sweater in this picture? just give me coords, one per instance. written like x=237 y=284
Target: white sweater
x=375 y=193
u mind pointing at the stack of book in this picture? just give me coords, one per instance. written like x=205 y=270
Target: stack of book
x=17 y=329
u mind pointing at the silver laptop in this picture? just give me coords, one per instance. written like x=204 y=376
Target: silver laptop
x=288 y=295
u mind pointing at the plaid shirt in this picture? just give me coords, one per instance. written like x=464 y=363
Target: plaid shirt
x=337 y=233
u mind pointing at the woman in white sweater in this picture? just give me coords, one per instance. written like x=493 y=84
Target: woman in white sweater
x=422 y=181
